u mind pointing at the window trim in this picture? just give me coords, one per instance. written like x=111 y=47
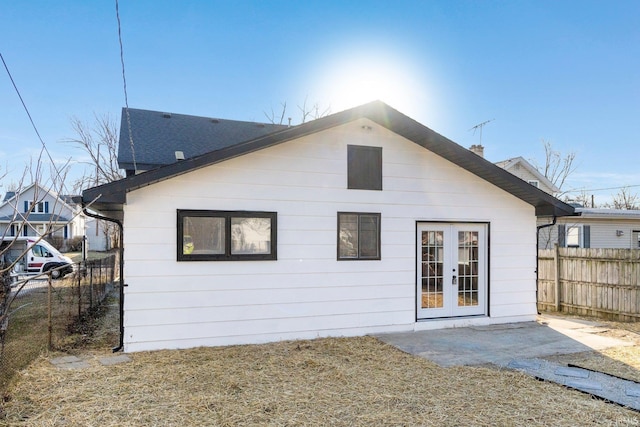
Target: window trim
x=227 y=215
x=359 y=257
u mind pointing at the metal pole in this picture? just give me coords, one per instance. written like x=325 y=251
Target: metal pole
x=49 y=314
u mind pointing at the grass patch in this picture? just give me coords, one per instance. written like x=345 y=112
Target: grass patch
x=91 y=255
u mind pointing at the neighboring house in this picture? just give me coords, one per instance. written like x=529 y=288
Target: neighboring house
x=169 y=137
x=527 y=172
x=364 y=221
x=594 y=228
x=37 y=211
x=98 y=236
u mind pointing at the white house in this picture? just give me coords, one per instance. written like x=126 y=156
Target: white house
x=594 y=228
x=37 y=211
x=527 y=172
x=361 y=222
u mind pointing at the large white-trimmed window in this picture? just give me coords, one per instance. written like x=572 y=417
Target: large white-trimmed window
x=358 y=236
x=205 y=235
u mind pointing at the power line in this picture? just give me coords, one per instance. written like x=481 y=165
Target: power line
x=602 y=189
x=124 y=82
x=24 y=105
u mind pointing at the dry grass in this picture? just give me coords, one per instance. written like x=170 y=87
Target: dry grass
x=339 y=382
x=348 y=381
x=619 y=361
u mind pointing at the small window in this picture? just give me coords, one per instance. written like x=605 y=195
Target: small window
x=358 y=236
x=40 y=251
x=226 y=235
x=364 y=166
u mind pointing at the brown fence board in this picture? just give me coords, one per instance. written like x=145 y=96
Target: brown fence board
x=599 y=282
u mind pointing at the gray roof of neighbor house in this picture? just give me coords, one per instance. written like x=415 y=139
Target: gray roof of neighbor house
x=157 y=136
x=109 y=198
x=34 y=217
x=631 y=214
x=8 y=195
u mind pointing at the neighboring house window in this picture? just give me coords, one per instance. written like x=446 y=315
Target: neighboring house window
x=358 y=236
x=574 y=236
x=534 y=182
x=40 y=207
x=364 y=167
x=226 y=235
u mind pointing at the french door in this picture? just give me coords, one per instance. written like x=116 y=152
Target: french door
x=451 y=270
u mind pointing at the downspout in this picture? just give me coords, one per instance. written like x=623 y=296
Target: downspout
x=121 y=235
x=538 y=228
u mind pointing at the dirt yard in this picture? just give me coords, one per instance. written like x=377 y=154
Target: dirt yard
x=338 y=382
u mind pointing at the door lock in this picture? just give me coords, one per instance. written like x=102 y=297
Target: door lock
x=454 y=280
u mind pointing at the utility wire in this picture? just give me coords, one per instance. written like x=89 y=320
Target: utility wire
x=126 y=98
x=24 y=105
x=602 y=189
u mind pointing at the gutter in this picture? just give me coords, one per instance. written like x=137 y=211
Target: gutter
x=122 y=285
x=538 y=228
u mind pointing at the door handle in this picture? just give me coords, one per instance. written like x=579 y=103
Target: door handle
x=454 y=280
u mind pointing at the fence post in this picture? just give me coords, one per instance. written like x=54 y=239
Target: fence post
x=80 y=295
x=556 y=279
x=49 y=314
x=91 y=286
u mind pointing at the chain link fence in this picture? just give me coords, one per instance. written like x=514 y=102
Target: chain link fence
x=41 y=314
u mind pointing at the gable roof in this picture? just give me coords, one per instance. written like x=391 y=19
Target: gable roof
x=511 y=163
x=13 y=196
x=109 y=198
x=157 y=136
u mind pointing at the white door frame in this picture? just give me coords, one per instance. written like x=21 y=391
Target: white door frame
x=448 y=283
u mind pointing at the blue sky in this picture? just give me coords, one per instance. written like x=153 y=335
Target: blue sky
x=563 y=71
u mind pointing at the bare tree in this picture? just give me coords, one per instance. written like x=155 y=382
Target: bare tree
x=307 y=112
x=625 y=199
x=100 y=143
x=557 y=166
x=19 y=219
x=585 y=199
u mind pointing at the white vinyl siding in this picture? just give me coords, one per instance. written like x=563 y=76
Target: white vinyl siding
x=307 y=292
x=603 y=233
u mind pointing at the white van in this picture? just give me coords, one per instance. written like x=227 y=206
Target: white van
x=34 y=257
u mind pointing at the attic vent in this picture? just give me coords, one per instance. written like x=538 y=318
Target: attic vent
x=166 y=115
x=260 y=125
x=215 y=121
x=179 y=155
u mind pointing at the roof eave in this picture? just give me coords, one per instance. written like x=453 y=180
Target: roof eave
x=114 y=194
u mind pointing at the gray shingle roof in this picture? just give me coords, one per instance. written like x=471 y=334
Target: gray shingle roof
x=35 y=217
x=109 y=198
x=157 y=136
x=9 y=195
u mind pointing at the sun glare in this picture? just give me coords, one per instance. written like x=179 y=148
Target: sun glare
x=353 y=81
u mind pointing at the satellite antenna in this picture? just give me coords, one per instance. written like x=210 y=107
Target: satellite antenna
x=480 y=126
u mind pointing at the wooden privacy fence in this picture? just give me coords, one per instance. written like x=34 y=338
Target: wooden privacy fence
x=596 y=282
